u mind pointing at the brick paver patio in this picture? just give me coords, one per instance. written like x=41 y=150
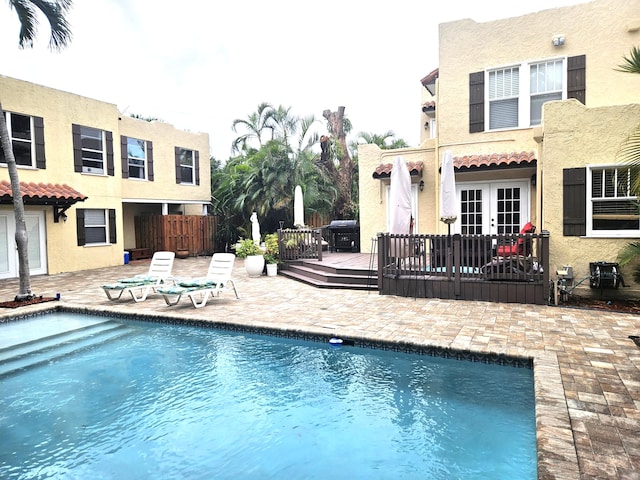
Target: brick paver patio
x=587 y=370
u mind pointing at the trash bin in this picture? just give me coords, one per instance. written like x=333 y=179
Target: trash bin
x=126 y=257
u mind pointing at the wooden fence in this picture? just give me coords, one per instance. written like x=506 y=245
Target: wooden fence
x=496 y=268
x=193 y=233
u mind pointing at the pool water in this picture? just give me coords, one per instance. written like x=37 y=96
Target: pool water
x=164 y=401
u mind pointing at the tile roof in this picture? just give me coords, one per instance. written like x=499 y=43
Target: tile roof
x=513 y=159
x=41 y=193
x=384 y=170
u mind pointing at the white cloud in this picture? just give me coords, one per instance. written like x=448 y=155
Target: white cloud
x=199 y=64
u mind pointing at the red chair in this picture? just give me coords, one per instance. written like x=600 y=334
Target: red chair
x=521 y=247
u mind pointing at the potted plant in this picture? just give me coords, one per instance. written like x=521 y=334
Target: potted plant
x=252 y=254
x=271 y=255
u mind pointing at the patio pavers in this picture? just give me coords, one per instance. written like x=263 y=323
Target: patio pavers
x=587 y=370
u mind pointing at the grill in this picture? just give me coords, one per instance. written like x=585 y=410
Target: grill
x=345 y=235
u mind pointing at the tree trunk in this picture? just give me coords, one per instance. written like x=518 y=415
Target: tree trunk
x=18 y=207
x=344 y=175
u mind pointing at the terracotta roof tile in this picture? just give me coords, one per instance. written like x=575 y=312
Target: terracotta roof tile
x=41 y=193
x=494 y=159
x=384 y=169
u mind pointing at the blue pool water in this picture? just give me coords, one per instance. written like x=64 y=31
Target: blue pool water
x=159 y=401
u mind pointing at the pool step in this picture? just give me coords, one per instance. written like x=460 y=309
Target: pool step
x=51 y=347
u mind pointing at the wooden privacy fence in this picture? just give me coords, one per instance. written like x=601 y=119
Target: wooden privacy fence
x=193 y=233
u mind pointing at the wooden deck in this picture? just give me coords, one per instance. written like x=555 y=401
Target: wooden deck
x=357 y=271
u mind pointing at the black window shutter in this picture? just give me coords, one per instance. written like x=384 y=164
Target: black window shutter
x=476 y=102
x=574 y=202
x=197 y=166
x=80 y=226
x=41 y=161
x=124 y=156
x=112 y=225
x=577 y=78
x=110 y=164
x=77 y=149
x=178 y=175
x=150 y=161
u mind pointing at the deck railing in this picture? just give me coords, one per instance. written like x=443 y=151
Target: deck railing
x=510 y=268
x=294 y=244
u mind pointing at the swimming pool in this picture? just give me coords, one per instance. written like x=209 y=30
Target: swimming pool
x=153 y=400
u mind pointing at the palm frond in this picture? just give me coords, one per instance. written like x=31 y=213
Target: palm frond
x=631 y=64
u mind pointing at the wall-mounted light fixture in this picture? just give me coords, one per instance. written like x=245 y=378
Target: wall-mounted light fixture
x=558 y=40
x=421 y=185
x=63 y=216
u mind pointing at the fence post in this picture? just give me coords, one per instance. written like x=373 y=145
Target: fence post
x=382 y=253
x=457 y=263
x=543 y=261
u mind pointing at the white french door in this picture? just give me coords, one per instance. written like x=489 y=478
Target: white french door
x=492 y=208
x=37 y=244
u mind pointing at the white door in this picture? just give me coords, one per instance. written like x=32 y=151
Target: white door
x=37 y=244
x=492 y=208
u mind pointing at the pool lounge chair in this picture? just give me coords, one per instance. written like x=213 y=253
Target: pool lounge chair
x=199 y=290
x=140 y=286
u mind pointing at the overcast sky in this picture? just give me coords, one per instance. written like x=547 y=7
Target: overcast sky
x=199 y=64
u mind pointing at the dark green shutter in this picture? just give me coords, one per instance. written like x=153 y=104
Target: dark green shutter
x=80 y=226
x=41 y=161
x=150 y=161
x=124 y=156
x=197 y=166
x=110 y=163
x=476 y=102
x=178 y=175
x=112 y=226
x=577 y=78
x=574 y=202
x=77 y=148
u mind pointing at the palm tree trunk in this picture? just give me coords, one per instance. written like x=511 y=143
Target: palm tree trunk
x=18 y=206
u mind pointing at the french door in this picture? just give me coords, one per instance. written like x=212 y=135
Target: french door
x=492 y=208
x=36 y=240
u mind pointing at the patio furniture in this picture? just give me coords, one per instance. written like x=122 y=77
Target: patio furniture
x=199 y=290
x=140 y=286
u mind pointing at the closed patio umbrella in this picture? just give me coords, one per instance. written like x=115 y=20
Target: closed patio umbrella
x=298 y=207
x=399 y=202
x=448 y=199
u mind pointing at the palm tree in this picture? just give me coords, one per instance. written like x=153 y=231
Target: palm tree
x=27 y=10
x=254 y=125
x=386 y=141
x=629 y=152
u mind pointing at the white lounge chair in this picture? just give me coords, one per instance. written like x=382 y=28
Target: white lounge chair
x=199 y=289
x=140 y=286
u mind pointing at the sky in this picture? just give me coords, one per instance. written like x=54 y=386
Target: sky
x=199 y=65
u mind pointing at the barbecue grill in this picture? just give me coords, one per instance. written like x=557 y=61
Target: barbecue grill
x=345 y=235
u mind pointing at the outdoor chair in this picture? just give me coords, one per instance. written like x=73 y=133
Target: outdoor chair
x=200 y=289
x=140 y=286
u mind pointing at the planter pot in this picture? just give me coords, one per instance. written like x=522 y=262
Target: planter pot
x=272 y=269
x=254 y=265
x=182 y=253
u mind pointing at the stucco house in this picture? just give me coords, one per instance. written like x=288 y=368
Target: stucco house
x=534 y=112
x=87 y=172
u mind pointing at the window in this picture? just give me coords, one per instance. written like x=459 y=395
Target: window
x=95 y=226
x=137 y=158
x=612 y=208
x=92 y=150
x=27 y=139
x=507 y=97
x=504 y=89
x=187 y=166
x=545 y=84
